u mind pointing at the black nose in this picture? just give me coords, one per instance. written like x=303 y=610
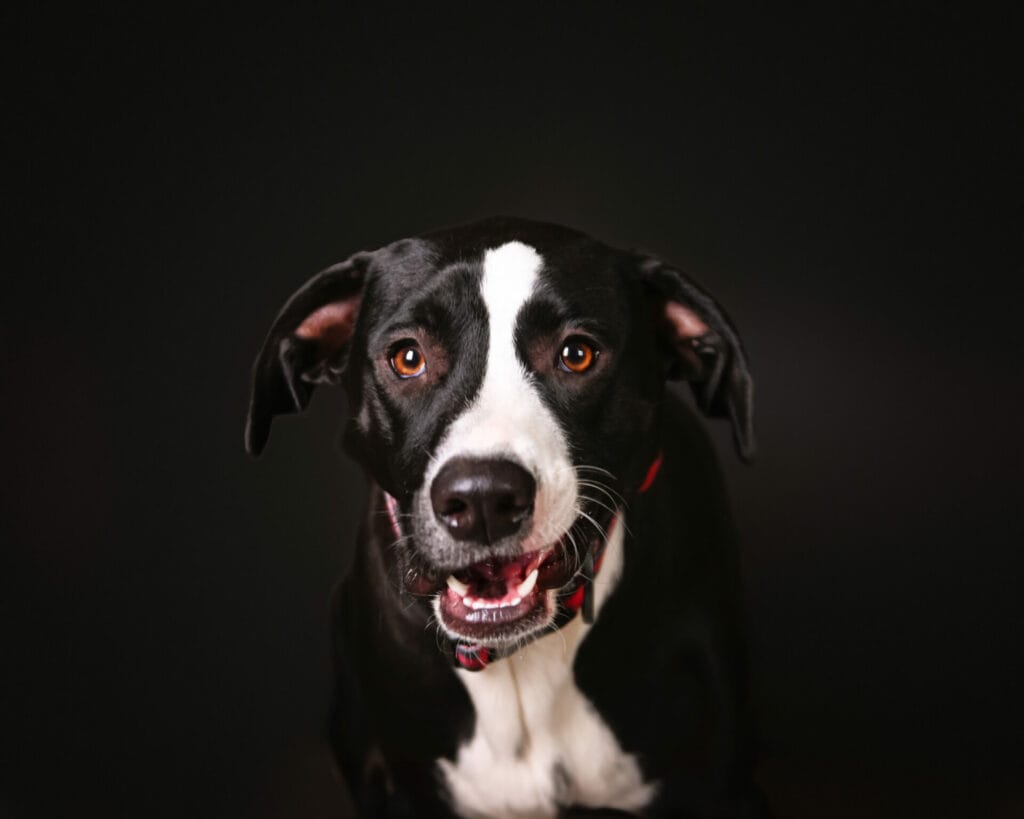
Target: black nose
x=482 y=500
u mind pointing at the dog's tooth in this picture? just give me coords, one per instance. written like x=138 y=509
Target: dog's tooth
x=457 y=586
x=527 y=585
x=515 y=601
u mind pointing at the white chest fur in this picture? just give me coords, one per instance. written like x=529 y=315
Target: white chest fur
x=538 y=744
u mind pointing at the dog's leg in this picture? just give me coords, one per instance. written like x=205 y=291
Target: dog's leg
x=360 y=763
x=718 y=660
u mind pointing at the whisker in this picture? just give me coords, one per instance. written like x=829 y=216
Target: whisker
x=602 y=504
x=610 y=493
x=592 y=468
x=600 y=529
x=575 y=548
x=622 y=519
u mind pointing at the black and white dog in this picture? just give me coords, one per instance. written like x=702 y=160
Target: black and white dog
x=542 y=618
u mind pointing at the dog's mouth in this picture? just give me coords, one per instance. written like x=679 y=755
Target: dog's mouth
x=500 y=599
x=496 y=599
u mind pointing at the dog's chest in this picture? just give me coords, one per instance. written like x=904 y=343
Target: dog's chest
x=538 y=743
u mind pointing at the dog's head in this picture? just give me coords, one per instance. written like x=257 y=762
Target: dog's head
x=504 y=379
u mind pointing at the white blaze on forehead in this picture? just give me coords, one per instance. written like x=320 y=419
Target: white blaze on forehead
x=510 y=273
x=508 y=418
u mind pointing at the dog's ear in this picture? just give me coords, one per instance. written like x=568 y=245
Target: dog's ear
x=701 y=346
x=306 y=346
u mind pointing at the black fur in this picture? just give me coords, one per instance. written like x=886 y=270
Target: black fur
x=664 y=664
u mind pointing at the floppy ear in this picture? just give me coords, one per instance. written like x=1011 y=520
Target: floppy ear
x=306 y=346
x=702 y=346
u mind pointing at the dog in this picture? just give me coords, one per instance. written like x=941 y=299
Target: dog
x=543 y=613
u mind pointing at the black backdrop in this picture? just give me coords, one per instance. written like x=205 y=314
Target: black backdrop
x=170 y=179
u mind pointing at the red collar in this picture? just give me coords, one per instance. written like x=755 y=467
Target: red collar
x=652 y=473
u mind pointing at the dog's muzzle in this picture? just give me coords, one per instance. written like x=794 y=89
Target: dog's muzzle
x=499 y=591
x=492 y=604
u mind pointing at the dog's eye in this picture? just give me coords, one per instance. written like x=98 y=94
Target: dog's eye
x=577 y=356
x=407 y=361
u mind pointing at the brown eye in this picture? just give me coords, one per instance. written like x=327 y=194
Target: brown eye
x=408 y=362
x=577 y=356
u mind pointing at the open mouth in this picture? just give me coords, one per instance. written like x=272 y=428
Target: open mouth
x=501 y=600
x=497 y=598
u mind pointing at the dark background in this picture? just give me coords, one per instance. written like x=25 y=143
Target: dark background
x=833 y=179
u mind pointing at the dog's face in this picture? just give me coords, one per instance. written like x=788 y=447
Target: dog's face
x=504 y=378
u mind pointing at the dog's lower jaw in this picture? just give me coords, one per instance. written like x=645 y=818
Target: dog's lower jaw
x=531 y=616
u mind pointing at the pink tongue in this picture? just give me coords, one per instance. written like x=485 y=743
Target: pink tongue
x=494 y=579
